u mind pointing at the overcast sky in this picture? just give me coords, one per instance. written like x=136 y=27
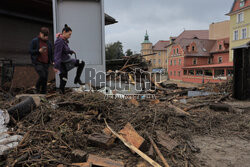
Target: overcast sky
x=161 y=18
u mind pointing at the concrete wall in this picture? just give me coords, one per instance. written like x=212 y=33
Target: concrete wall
x=219 y=30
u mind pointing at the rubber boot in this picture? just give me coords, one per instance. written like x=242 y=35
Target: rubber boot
x=79 y=73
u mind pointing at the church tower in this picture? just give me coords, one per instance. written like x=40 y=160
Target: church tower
x=146 y=46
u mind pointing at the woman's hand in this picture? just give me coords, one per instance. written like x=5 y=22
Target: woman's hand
x=56 y=70
x=72 y=52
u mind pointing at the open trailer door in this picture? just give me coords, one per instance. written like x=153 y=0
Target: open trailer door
x=86 y=18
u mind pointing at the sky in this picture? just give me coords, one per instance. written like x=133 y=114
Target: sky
x=161 y=18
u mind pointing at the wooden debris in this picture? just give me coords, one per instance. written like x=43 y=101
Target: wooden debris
x=158 y=151
x=132 y=147
x=143 y=164
x=134 y=102
x=86 y=164
x=165 y=140
x=103 y=162
x=196 y=106
x=179 y=111
x=100 y=140
x=153 y=102
x=221 y=107
x=78 y=156
x=131 y=136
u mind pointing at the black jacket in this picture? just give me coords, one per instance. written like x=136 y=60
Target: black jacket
x=34 y=51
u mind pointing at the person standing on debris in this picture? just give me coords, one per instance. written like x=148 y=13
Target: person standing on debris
x=63 y=62
x=41 y=57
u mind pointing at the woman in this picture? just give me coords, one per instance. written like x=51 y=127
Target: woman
x=63 y=62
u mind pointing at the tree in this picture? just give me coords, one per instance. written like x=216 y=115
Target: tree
x=129 y=52
x=114 y=50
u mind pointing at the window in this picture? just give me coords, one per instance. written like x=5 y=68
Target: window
x=210 y=60
x=171 y=73
x=219 y=73
x=236 y=35
x=159 y=53
x=154 y=61
x=199 y=72
x=171 y=62
x=174 y=62
x=174 y=51
x=193 y=48
x=244 y=33
x=208 y=73
x=220 y=60
x=159 y=61
x=220 y=47
x=240 y=17
x=179 y=61
x=174 y=73
x=185 y=72
x=191 y=72
x=230 y=72
x=194 y=61
x=242 y=3
x=177 y=50
x=179 y=73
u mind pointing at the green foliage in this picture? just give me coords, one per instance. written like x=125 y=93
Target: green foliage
x=114 y=51
x=129 y=52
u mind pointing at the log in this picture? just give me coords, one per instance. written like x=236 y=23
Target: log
x=22 y=109
x=158 y=151
x=132 y=147
x=221 y=107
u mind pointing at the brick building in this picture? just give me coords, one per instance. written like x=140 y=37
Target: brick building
x=195 y=58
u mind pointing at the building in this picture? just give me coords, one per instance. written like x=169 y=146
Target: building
x=207 y=61
x=21 y=22
x=156 y=54
x=176 y=51
x=219 y=30
x=197 y=60
x=239 y=24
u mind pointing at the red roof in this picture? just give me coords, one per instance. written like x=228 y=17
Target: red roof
x=191 y=34
x=214 y=49
x=161 y=45
x=236 y=6
x=229 y=64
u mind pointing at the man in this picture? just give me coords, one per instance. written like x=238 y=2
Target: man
x=41 y=56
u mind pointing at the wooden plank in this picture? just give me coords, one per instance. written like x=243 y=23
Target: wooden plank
x=132 y=147
x=158 y=152
x=131 y=136
x=104 y=162
x=100 y=140
x=165 y=140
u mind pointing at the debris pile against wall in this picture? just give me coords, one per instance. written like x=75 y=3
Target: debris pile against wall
x=73 y=128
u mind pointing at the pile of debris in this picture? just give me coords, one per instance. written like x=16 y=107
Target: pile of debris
x=84 y=129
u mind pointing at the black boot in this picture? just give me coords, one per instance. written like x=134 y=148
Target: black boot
x=79 y=73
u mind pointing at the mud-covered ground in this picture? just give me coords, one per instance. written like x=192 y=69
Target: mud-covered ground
x=63 y=122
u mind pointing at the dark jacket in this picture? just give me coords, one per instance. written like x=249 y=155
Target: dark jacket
x=34 y=51
x=61 y=53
